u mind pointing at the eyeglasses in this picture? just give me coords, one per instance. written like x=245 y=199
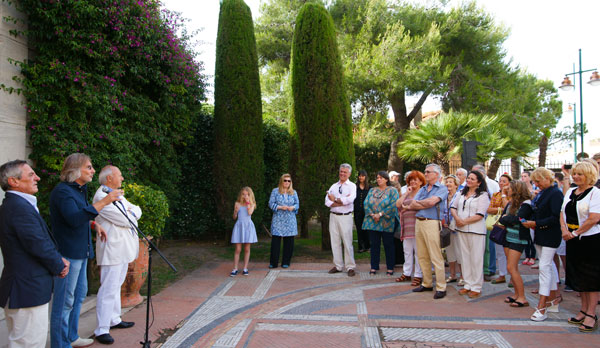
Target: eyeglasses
x=287 y=180
x=429 y=171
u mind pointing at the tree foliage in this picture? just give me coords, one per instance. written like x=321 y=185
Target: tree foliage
x=111 y=79
x=439 y=139
x=320 y=123
x=238 y=147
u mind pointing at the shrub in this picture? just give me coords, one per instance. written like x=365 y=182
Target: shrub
x=154 y=205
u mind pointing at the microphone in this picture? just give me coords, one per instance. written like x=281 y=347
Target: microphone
x=107 y=191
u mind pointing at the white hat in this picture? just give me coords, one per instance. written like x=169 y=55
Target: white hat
x=393 y=173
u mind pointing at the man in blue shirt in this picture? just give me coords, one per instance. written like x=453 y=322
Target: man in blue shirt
x=430 y=201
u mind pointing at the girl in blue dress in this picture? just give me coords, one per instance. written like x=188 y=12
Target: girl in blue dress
x=244 y=231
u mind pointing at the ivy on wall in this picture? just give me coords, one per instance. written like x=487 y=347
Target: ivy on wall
x=115 y=79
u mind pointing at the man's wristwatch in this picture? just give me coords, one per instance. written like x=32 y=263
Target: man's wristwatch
x=574 y=234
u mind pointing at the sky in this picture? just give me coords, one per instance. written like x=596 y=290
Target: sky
x=545 y=36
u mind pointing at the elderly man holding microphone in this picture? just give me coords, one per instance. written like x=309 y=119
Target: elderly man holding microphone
x=114 y=253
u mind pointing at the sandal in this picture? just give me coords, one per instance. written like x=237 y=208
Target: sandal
x=372 y=272
x=519 y=304
x=451 y=280
x=586 y=328
x=509 y=300
x=389 y=273
x=403 y=278
x=416 y=281
x=575 y=321
x=499 y=280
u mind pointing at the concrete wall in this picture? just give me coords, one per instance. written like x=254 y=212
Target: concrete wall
x=13 y=116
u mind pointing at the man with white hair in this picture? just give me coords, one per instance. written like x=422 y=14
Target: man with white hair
x=340 y=199
x=430 y=201
x=405 y=187
x=113 y=254
x=461 y=174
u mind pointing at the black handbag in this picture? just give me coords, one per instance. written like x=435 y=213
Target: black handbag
x=445 y=232
x=498 y=234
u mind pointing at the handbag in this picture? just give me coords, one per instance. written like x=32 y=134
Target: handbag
x=445 y=232
x=498 y=234
x=491 y=220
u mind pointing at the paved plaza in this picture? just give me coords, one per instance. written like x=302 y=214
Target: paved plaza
x=304 y=306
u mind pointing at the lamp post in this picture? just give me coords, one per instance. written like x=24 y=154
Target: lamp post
x=567 y=85
x=573 y=106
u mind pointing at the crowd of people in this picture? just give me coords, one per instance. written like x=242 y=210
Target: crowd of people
x=42 y=264
x=551 y=217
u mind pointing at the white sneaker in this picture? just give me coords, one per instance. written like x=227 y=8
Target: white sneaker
x=82 y=342
x=538 y=315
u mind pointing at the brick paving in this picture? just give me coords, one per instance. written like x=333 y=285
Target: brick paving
x=303 y=306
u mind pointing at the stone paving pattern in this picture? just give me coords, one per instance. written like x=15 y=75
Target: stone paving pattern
x=304 y=306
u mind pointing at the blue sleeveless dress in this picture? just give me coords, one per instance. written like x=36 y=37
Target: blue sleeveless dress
x=243 y=230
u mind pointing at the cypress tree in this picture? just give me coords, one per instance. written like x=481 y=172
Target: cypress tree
x=238 y=150
x=320 y=124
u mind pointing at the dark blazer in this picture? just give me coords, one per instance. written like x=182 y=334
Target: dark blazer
x=547 y=206
x=31 y=258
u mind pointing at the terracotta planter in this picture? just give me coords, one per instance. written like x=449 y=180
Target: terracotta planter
x=136 y=276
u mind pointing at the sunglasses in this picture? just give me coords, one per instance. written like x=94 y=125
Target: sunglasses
x=287 y=180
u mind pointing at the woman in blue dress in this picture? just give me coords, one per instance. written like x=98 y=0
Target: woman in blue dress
x=285 y=204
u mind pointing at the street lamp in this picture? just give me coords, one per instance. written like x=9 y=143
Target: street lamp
x=573 y=107
x=567 y=85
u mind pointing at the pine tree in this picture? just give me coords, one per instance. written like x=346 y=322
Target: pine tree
x=238 y=152
x=320 y=124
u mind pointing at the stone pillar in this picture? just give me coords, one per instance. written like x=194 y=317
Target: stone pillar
x=13 y=115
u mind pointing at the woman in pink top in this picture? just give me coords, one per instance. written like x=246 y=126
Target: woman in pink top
x=415 y=181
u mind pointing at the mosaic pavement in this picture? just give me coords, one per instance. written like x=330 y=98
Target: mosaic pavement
x=310 y=308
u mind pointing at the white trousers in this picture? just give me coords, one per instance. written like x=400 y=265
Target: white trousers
x=340 y=231
x=548 y=271
x=453 y=250
x=27 y=327
x=108 y=305
x=411 y=258
x=500 y=260
x=472 y=249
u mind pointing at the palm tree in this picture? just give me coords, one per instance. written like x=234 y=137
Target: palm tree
x=439 y=139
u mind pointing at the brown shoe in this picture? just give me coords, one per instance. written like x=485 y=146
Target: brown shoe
x=334 y=270
x=351 y=273
x=463 y=291
x=416 y=281
x=499 y=280
x=474 y=294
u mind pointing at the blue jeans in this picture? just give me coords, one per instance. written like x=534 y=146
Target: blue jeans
x=69 y=293
x=492 y=265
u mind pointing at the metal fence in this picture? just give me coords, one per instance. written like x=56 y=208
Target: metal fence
x=505 y=166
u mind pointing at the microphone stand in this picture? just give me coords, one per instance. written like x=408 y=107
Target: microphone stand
x=146 y=342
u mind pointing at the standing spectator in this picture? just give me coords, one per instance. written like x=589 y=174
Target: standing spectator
x=340 y=199
x=547 y=236
x=380 y=219
x=70 y=216
x=596 y=158
x=408 y=218
x=31 y=258
x=395 y=180
x=579 y=226
x=430 y=201
x=517 y=236
x=469 y=211
x=114 y=253
x=489 y=263
x=362 y=189
x=285 y=204
x=461 y=175
x=530 y=248
x=453 y=250
x=497 y=204
x=405 y=187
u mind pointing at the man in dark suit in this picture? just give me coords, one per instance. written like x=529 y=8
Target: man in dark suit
x=31 y=258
